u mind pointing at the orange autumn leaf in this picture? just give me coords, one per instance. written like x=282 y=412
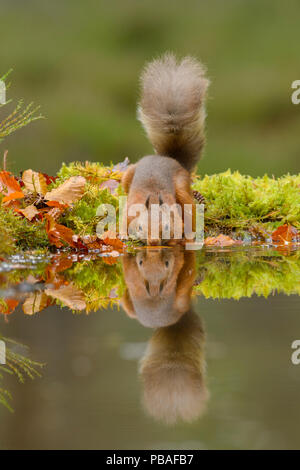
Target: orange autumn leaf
x=110 y=238
x=68 y=192
x=221 y=240
x=92 y=242
x=57 y=234
x=34 y=181
x=13 y=196
x=57 y=205
x=8 y=183
x=11 y=304
x=112 y=258
x=29 y=212
x=285 y=234
x=60 y=264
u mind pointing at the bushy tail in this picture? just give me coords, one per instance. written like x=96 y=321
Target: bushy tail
x=172 y=107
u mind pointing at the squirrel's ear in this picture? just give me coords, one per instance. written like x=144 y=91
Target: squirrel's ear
x=127 y=304
x=128 y=177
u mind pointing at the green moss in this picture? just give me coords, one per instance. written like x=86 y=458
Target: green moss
x=235 y=202
x=20 y=233
x=97 y=280
x=243 y=273
x=82 y=217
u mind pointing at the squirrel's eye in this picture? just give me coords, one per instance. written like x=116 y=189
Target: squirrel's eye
x=141 y=262
x=167 y=264
x=140 y=228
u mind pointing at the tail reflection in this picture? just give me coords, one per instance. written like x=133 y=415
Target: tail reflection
x=159 y=286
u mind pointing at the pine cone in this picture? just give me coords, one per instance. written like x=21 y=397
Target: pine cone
x=199 y=198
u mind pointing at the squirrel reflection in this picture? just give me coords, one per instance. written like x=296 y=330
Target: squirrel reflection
x=159 y=286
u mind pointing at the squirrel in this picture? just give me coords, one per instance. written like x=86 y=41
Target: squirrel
x=172 y=112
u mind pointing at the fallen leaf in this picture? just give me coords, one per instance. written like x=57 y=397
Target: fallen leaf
x=11 y=304
x=110 y=259
x=110 y=238
x=29 y=212
x=221 y=240
x=34 y=181
x=68 y=192
x=285 y=234
x=8 y=183
x=55 y=213
x=49 y=179
x=35 y=302
x=60 y=264
x=57 y=234
x=69 y=295
x=92 y=242
x=57 y=205
x=12 y=196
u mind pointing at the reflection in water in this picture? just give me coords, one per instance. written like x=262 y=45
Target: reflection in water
x=158 y=294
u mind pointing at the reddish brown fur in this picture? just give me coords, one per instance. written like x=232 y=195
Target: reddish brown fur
x=172 y=112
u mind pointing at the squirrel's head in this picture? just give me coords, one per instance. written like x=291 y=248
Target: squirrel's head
x=159 y=282
x=155 y=219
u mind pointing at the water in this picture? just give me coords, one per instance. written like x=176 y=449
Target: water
x=207 y=372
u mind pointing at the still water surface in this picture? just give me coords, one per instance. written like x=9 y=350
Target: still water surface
x=173 y=370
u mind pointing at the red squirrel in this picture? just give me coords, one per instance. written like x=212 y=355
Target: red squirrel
x=172 y=112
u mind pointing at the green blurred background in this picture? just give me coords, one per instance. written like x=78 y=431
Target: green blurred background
x=81 y=61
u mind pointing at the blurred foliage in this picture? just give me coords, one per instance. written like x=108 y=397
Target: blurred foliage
x=82 y=60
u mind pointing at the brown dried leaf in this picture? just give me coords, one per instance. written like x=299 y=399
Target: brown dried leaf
x=34 y=181
x=285 y=234
x=69 y=295
x=29 y=212
x=92 y=242
x=110 y=238
x=221 y=240
x=68 y=192
x=35 y=302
